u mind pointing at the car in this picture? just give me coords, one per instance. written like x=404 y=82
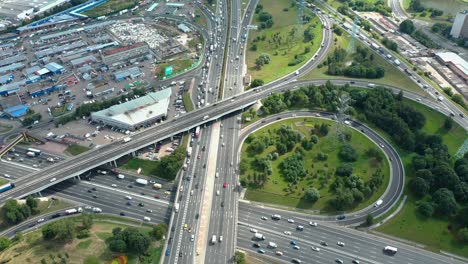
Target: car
x=114 y=185
x=341 y=244
x=149 y=210
x=157 y=196
x=95 y=196
x=299 y=228
x=94 y=189
x=192 y=238
x=129 y=203
x=323 y=243
x=222 y=204
x=316 y=249
x=141 y=204
x=256 y=245
x=287 y=233
x=51 y=180
x=355 y=261
x=264 y=218
x=122 y=213
x=217 y=193
x=180 y=254
x=128 y=197
x=40 y=220
x=130 y=186
x=90 y=191
x=142 y=193
x=198 y=157
x=339 y=261
x=152 y=182
x=253 y=230
x=293 y=242
x=291 y=221
x=341 y=217
x=296 y=247
x=297 y=261
x=313 y=223
x=261 y=251
x=279 y=253
x=225 y=185
x=185 y=226
x=217 y=174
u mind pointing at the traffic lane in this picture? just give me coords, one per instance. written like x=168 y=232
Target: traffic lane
x=15 y=171
x=304 y=253
x=116 y=202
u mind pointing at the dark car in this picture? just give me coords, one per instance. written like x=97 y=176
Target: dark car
x=56 y=215
x=340 y=217
x=222 y=204
x=122 y=213
x=95 y=196
x=141 y=204
x=168 y=252
x=94 y=189
x=180 y=254
x=256 y=245
x=129 y=203
x=323 y=243
x=90 y=191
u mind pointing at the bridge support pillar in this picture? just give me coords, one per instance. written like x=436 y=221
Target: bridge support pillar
x=39 y=193
x=78 y=177
x=133 y=154
x=115 y=163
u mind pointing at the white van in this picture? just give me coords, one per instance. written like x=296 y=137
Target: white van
x=379 y=202
x=147 y=219
x=121 y=176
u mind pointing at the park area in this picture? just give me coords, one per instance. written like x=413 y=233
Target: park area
x=325 y=168
x=285 y=41
x=110 y=7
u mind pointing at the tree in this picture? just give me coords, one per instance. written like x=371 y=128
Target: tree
x=130 y=240
x=448 y=123
x=312 y=195
x=369 y=220
x=239 y=257
x=14 y=213
x=5 y=242
x=445 y=202
x=419 y=186
x=117 y=245
x=461 y=192
x=463 y=234
x=256 y=83
x=407 y=27
x=292 y=167
x=425 y=209
x=348 y=153
x=87 y=220
x=31 y=202
x=281 y=148
x=343 y=199
x=48 y=232
x=65 y=230
x=265 y=58
x=159 y=231
x=444 y=176
x=345 y=169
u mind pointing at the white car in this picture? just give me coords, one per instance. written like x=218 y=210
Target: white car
x=287 y=233
x=253 y=230
x=264 y=218
x=313 y=223
x=114 y=185
x=341 y=244
x=291 y=221
x=316 y=249
x=40 y=220
x=297 y=247
x=279 y=253
x=192 y=238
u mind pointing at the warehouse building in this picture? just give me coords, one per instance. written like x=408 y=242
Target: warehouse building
x=137 y=113
x=457 y=64
x=112 y=56
x=54 y=68
x=132 y=73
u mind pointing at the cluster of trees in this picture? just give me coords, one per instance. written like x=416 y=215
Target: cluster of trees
x=65 y=230
x=262 y=60
x=265 y=18
x=364 y=6
x=87 y=109
x=390 y=44
x=442 y=188
x=169 y=165
x=14 y=213
x=256 y=83
x=386 y=110
x=363 y=65
x=31 y=117
x=408 y=27
x=308 y=34
x=416 y=6
x=128 y=240
x=442 y=29
x=297 y=59
x=293 y=168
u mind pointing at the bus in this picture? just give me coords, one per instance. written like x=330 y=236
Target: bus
x=197 y=132
x=6 y=187
x=35 y=151
x=390 y=250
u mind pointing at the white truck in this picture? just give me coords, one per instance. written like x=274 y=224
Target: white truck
x=127 y=139
x=371 y=85
x=157 y=186
x=213 y=239
x=176 y=207
x=97 y=210
x=397 y=62
x=206 y=117
x=272 y=245
x=142 y=181
x=259 y=236
x=379 y=202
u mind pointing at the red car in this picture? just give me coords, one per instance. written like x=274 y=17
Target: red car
x=225 y=185
x=157 y=196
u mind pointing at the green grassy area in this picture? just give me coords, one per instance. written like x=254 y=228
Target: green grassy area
x=44 y=207
x=147 y=166
x=3 y=181
x=392 y=75
x=76 y=149
x=187 y=101
x=290 y=46
x=320 y=174
x=110 y=7
x=90 y=250
x=199 y=18
x=407 y=224
x=178 y=66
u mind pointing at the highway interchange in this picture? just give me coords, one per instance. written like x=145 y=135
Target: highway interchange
x=215 y=152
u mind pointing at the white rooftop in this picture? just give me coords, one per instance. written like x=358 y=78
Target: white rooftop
x=456 y=60
x=139 y=110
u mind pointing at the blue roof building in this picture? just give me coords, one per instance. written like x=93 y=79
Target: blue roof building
x=17 y=110
x=55 y=68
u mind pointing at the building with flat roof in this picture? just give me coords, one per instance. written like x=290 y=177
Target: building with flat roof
x=456 y=63
x=184 y=28
x=127 y=73
x=120 y=54
x=460 y=25
x=136 y=113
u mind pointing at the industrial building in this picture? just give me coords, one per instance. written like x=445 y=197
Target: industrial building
x=137 y=113
x=132 y=73
x=121 y=54
x=460 y=25
x=455 y=63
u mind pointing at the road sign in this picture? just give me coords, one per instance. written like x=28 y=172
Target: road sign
x=168 y=70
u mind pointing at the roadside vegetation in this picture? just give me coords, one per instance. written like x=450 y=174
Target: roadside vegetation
x=303 y=163
x=76 y=149
x=178 y=66
x=109 y=8
x=338 y=61
x=86 y=239
x=281 y=45
x=408 y=27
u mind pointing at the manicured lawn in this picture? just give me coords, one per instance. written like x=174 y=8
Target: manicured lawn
x=392 y=75
x=90 y=250
x=320 y=174
x=3 y=181
x=178 y=66
x=147 y=166
x=76 y=149
x=281 y=55
x=109 y=7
